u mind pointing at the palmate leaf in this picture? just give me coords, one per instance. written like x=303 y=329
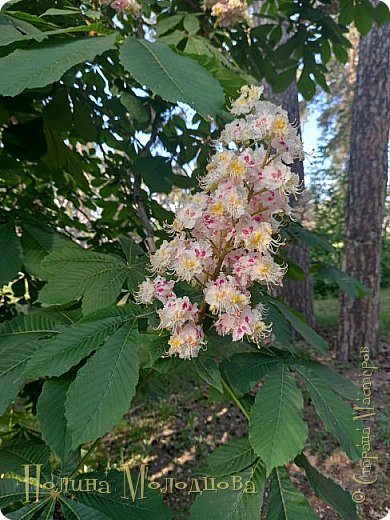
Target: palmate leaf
x=51 y=417
x=208 y=370
x=136 y=261
x=245 y=369
x=285 y=501
x=277 y=432
x=72 y=274
x=340 y=384
x=77 y=511
x=11 y=491
x=18 y=342
x=59 y=155
x=300 y=325
x=48 y=512
x=147 y=505
x=328 y=490
x=12 y=31
x=32 y=511
x=173 y=77
x=11 y=253
x=230 y=458
x=349 y=285
x=38 y=67
x=230 y=503
x=336 y=415
x=60 y=354
x=38 y=241
x=15 y=454
x=104 y=386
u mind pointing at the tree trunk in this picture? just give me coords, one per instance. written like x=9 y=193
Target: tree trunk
x=367 y=180
x=297 y=293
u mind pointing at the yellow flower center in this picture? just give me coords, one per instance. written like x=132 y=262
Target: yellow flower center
x=237 y=169
x=217 y=208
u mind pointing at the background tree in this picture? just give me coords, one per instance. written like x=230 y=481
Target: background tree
x=367 y=181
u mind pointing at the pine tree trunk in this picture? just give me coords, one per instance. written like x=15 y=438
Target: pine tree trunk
x=367 y=180
x=297 y=293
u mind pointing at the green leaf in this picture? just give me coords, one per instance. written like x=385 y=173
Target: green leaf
x=11 y=253
x=285 y=501
x=230 y=80
x=340 y=52
x=135 y=107
x=349 y=285
x=156 y=173
x=197 y=45
x=191 y=24
x=59 y=155
x=12 y=491
x=38 y=240
x=136 y=261
x=280 y=326
x=51 y=417
x=336 y=415
x=78 y=511
x=340 y=384
x=328 y=490
x=325 y=50
x=230 y=458
x=18 y=341
x=30 y=511
x=173 y=77
x=12 y=31
x=77 y=273
x=310 y=238
x=83 y=120
x=18 y=453
x=208 y=370
x=232 y=503
x=104 y=386
x=60 y=354
x=147 y=505
x=47 y=513
x=168 y=23
x=306 y=85
x=244 y=370
x=309 y=334
x=363 y=18
x=58 y=112
x=70 y=11
x=277 y=431
x=381 y=13
x=284 y=79
x=38 y=67
x=173 y=39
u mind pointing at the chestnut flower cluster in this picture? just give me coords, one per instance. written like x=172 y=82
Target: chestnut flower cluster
x=228 y=12
x=124 y=6
x=224 y=236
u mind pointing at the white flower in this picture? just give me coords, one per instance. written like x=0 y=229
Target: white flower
x=146 y=292
x=186 y=342
x=225 y=236
x=246 y=102
x=223 y=295
x=175 y=312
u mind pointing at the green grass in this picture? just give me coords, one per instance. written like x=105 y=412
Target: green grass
x=327 y=312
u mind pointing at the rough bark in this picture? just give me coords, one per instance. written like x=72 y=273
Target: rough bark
x=365 y=205
x=297 y=293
